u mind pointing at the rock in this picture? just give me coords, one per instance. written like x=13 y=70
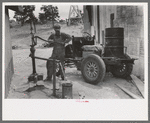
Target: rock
x=48 y=84
x=32 y=84
x=40 y=82
x=24 y=87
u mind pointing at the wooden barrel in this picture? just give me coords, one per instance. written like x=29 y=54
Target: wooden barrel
x=114 y=42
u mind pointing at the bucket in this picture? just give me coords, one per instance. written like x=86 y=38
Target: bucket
x=67 y=91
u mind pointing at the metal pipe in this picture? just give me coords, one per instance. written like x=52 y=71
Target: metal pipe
x=45 y=59
x=32 y=49
x=47 y=40
x=41 y=38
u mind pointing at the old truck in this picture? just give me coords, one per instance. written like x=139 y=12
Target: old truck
x=95 y=60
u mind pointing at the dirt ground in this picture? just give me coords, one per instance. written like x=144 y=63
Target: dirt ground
x=23 y=68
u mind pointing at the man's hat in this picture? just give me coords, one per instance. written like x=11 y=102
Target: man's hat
x=56 y=26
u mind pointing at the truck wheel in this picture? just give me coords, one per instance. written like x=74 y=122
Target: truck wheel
x=93 y=69
x=123 y=70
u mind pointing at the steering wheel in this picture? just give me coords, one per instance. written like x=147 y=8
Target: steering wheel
x=87 y=36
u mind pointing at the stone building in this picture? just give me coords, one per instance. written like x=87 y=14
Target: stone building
x=8 y=58
x=98 y=17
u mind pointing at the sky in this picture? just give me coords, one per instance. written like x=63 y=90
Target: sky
x=63 y=10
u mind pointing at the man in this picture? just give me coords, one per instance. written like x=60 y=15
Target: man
x=59 y=39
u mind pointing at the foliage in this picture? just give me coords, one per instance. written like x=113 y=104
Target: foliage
x=50 y=12
x=42 y=18
x=28 y=9
x=11 y=21
x=22 y=17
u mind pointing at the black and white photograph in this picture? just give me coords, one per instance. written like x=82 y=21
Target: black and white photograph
x=77 y=53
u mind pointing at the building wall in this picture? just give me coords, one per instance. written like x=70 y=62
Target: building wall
x=95 y=24
x=86 y=20
x=90 y=22
x=9 y=70
x=104 y=21
x=131 y=19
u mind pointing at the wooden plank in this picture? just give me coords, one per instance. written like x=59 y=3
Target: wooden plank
x=128 y=92
x=139 y=84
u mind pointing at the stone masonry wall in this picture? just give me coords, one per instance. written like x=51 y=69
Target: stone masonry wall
x=8 y=65
x=131 y=19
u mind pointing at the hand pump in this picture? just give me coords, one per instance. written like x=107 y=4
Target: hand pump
x=32 y=49
x=34 y=76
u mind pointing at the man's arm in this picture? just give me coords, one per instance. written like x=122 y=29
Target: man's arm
x=51 y=37
x=67 y=38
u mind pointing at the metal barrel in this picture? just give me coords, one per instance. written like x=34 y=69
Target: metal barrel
x=67 y=91
x=114 y=42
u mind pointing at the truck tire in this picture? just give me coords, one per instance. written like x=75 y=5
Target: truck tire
x=93 y=69
x=124 y=70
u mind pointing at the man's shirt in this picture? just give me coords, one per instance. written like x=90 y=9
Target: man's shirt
x=65 y=37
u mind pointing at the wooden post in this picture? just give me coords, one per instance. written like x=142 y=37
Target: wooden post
x=54 y=78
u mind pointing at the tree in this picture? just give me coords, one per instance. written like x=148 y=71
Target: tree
x=42 y=18
x=51 y=12
x=22 y=17
x=18 y=16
